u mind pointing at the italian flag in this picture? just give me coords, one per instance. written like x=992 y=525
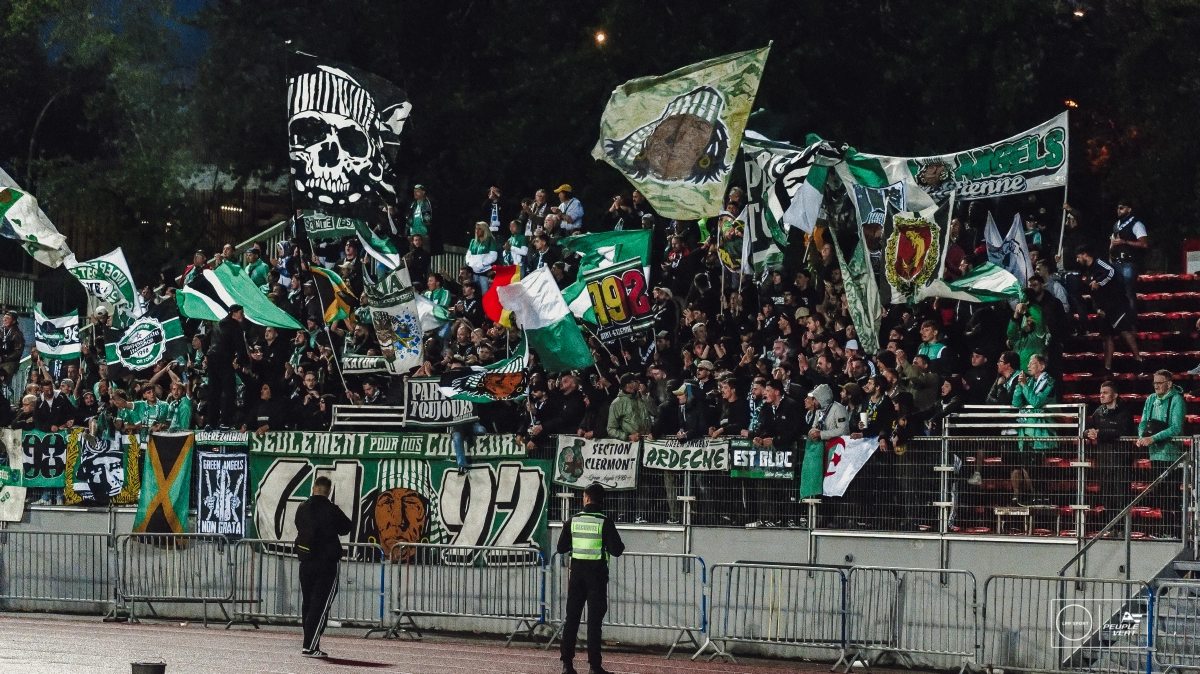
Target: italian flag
x=550 y=330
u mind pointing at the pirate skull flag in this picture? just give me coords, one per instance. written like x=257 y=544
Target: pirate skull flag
x=343 y=135
x=675 y=136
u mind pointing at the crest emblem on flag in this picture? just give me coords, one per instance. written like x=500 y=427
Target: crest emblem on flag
x=688 y=142
x=142 y=344
x=912 y=252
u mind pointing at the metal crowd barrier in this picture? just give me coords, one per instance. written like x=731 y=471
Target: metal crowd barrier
x=784 y=605
x=1177 y=625
x=897 y=610
x=645 y=590
x=466 y=581
x=175 y=568
x=1051 y=624
x=267 y=584
x=52 y=567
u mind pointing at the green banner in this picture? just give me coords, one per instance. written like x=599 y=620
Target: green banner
x=45 y=459
x=382 y=445
x=391 y=501
x=759 y=462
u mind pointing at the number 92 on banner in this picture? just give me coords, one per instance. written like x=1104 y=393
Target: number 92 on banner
x=620 y=299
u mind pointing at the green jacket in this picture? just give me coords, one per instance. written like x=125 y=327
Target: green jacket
x=259 y=272
x=1027 y=344
x=629 y=413
x=924 y=386
x=1035 y=394
x=1170 y=409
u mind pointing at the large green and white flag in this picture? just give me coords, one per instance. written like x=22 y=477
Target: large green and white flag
x=986 y=283
x=539 y=308
x=56 y=338
x=600 y=251
x=210 y=295
x=21 y=219
x=862 y=294
x=109 y=284
x=397 y=321
x=675 y=136
x=505 y=380
x=1032 y=160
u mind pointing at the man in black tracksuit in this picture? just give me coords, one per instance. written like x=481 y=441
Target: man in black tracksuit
x=228 y=346
x=590 y=537
x=318 y=524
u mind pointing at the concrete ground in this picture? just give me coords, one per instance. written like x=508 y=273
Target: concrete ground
x=48 y=644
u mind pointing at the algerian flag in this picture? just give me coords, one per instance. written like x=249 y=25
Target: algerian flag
x=22 y=220
x=397 y=322
x=539 y=308
x=985 y=283
x=846 y=457
x=675 y=136
x=505 y=380
x=109 y=284
x=216 y=290
x=431 y=314
x=1011 y=252
x=600 y=251
x=56 y=338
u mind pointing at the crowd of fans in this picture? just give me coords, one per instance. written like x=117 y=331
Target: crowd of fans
x=773 y=358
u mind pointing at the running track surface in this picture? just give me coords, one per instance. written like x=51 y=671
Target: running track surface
x=61 y=645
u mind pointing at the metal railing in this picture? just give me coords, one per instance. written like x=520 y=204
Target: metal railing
x=646 y=590
x=368 y=418
x=899 y=610
x=1177 y=625
x=175 y=568
x=776 y=604
x=39 y=567
x=466 y=581
x=1051 y=624
x=267 y=584
x=16 y=291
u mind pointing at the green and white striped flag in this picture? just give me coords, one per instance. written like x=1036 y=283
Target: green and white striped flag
x=56 y=338
x=195 y=304
x=109 y=284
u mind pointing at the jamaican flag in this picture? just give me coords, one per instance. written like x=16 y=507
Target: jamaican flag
x=337 y=297
x=166 y=484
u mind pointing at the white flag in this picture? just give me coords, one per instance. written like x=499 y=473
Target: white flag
x=56 y=338
x=109 y=284
x=21 y=219
x=846 y=458
x=1009 y=253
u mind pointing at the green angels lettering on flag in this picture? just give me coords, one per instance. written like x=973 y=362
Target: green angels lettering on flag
x=598 y=251
x=550 y=329
x=675 y=136
x=56 y=338
x=396 y=319
x=166 y=484
x=109 y=284
x=21 y=219
x=505 y=380
x=986 y=283
x=144 y=343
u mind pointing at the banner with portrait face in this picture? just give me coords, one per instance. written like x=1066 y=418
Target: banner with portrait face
x=103 y=470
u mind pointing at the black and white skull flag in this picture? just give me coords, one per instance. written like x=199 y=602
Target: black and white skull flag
x=343 y=135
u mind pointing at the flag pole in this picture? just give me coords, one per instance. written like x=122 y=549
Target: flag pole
x=1062 y=227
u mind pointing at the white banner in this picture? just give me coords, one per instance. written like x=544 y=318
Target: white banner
x=56 y=338
x=611 y=463
x=12 y=498
x=397 y=321
x=109 y=284
x=699 y=454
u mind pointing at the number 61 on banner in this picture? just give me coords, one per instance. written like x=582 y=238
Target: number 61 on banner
x=620 y=299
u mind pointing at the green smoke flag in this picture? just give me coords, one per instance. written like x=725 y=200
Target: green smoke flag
x=505 y=380
x=986 y=283
x=56 y=338
x=21 y=219
x=675 y=136
x=166 y=485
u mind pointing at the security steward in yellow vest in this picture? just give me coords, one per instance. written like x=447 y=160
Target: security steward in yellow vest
x=590 y=537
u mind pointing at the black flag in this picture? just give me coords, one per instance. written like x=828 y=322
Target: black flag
x=343 y=135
